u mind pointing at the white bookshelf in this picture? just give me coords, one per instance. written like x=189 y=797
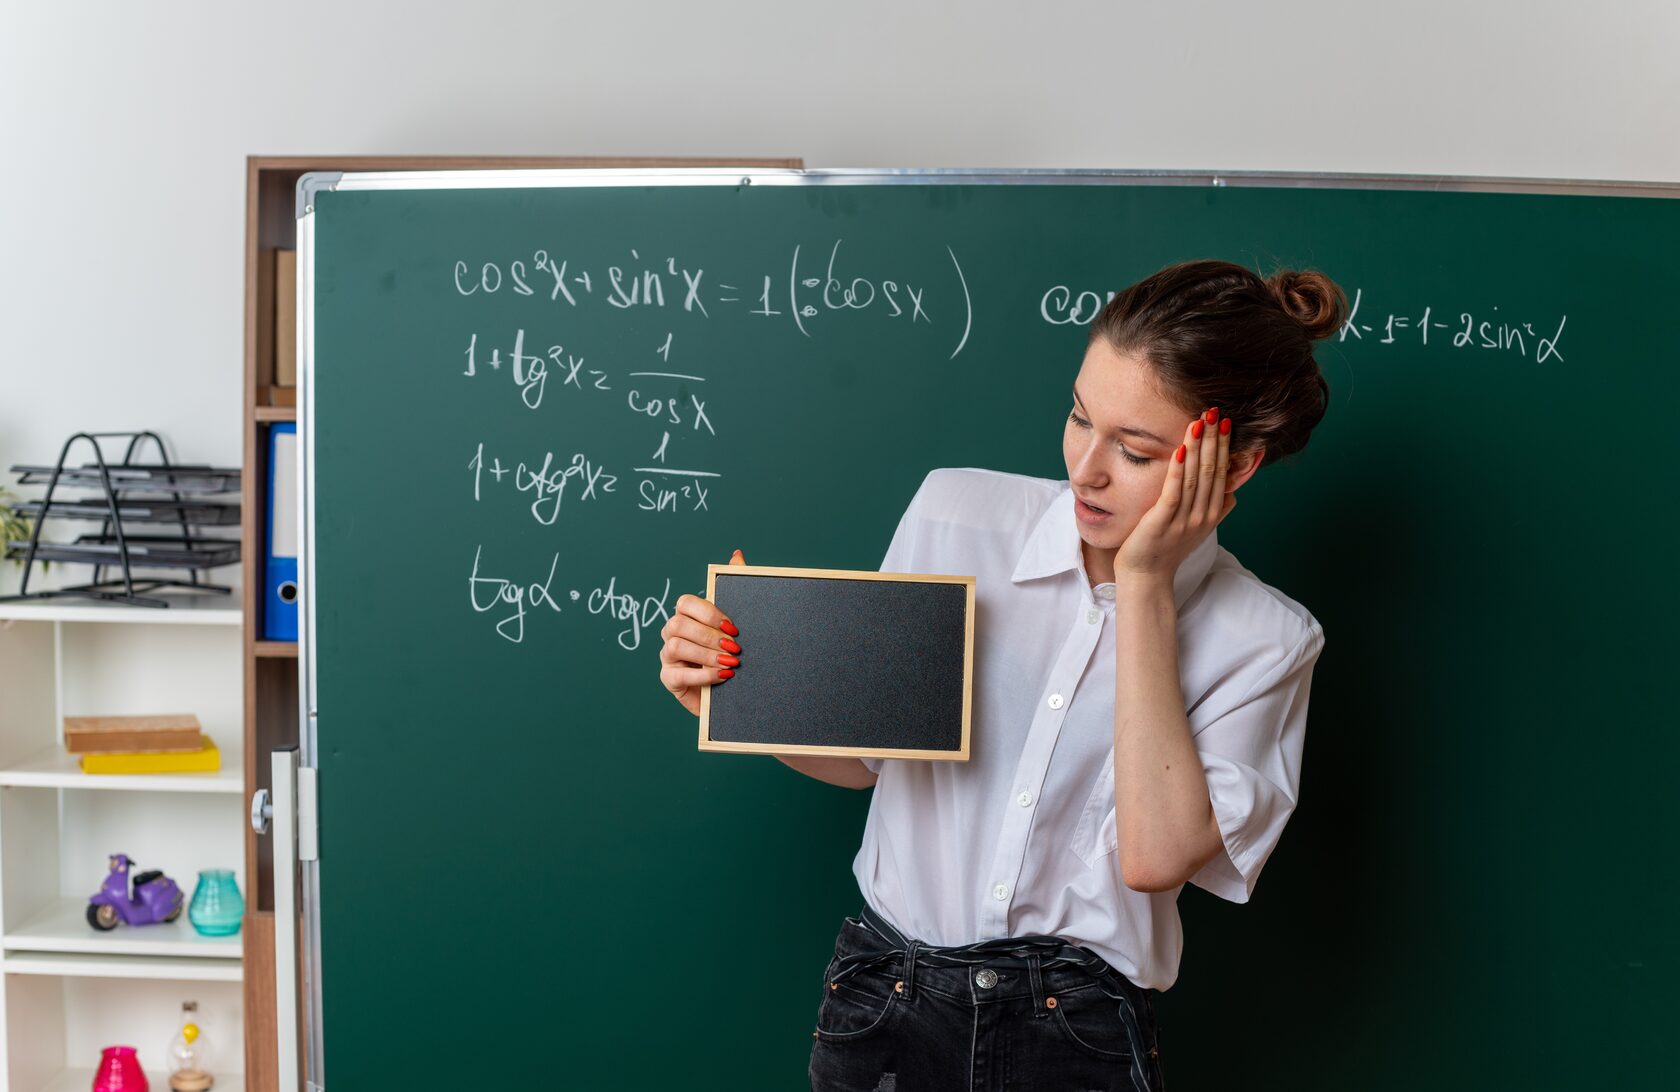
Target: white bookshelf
x=70 y=990
x=192 y=609
x=62 y=927
x=52 y=768
x=81 y=965
x=80 y=1080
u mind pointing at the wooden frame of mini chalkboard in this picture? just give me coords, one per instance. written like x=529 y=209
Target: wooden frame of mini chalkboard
x=863 y=641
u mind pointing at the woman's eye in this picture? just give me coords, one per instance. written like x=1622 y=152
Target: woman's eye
x=1133 y=459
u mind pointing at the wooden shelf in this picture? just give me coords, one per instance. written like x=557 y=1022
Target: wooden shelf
x=63 y=927
x=86 y=965
x=287 y=649
x=276 y=413
x=52 y=768
x=190 y=609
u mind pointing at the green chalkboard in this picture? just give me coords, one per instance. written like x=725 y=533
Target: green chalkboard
x=538 y=411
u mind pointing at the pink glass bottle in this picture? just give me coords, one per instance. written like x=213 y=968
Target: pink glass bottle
x=119 y=1071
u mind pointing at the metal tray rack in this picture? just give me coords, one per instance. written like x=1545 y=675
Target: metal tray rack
x=129 y=492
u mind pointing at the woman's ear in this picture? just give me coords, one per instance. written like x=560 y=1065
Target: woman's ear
x=1243 y=465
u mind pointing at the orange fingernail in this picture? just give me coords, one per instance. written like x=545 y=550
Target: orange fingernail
x=1225 y=426
x=1196 y=429
x=1180 y=452
x=729 y=627
x=1212 y=415
x=726 y=673
x=728 y=661
x=729 y=646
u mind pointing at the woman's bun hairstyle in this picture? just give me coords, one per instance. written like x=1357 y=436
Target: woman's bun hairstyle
x=1312 y=299
x=1219 y=334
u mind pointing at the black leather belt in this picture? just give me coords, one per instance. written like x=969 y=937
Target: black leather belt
x=998 y=952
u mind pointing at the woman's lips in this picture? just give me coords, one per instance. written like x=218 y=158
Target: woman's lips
x=1087 y=513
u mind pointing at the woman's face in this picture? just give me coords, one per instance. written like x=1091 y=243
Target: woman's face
x=1117 y=440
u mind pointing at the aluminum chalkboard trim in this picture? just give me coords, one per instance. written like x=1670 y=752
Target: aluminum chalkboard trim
x=313 y=183
x=539 y=178
x=309 y=184
x=309 y=873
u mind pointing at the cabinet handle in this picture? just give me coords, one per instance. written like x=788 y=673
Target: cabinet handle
x=261 y=811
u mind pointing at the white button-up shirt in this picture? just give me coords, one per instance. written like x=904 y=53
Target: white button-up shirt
x=1021 y=838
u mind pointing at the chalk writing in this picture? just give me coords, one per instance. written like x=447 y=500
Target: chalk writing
x=487 y=593
x=548 y=488
x=1061 y=305
x=658 y=496
x=1487 y=332
x=624 y=607
x=530 y=372
x=636 y=284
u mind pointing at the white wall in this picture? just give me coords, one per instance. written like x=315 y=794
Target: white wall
x=124 y=128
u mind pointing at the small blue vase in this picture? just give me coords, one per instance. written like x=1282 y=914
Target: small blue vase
x=217 y=907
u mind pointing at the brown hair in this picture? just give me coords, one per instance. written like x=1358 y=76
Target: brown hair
x=1218 y=334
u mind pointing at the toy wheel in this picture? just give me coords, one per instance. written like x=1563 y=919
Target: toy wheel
x=103 y=918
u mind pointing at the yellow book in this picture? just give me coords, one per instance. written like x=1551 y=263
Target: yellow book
x=204 y=760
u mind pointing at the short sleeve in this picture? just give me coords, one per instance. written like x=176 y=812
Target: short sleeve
x=1251 y=754
x=903 y=550
x=900 y=557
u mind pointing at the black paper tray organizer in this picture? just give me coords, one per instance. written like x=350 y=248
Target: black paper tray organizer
x=197 y=513
x=181 y=478
x=165 y=551
x=128 y=492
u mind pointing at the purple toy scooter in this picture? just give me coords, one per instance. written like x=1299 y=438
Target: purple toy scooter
x=155 y=899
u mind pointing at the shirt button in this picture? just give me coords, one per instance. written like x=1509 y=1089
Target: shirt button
x=1106 y=591
x=1025 y=798
x=1001 y=891
x=1055 y=701
x=1091 y=616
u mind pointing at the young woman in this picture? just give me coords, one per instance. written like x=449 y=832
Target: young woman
x=1139 y=714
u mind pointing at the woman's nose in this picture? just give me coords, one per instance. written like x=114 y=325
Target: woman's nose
x=1085 y=464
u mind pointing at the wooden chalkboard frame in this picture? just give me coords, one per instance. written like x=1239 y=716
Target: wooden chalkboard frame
x=961 y=754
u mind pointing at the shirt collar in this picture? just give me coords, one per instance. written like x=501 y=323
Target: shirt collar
x=1053 y=547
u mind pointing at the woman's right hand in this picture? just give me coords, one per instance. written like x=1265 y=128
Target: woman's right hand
x=699 y=648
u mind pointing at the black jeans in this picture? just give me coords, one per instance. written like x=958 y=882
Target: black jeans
x=1005 y=1019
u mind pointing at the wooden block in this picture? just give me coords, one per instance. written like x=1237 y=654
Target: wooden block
x=149 y=732
x=204 y=758
x=264 y=307
x=285 y=318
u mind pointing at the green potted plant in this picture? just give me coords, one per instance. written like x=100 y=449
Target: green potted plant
x=14 y=527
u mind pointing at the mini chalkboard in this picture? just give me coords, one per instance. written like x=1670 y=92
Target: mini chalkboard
x=842 y=662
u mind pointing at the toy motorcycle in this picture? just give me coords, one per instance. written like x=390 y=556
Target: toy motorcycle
x=156 y=898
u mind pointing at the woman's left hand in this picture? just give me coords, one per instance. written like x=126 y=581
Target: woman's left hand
x=1193 y=502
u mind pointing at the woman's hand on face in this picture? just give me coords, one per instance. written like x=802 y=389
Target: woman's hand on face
x=1193 y=502
x=699 y=648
